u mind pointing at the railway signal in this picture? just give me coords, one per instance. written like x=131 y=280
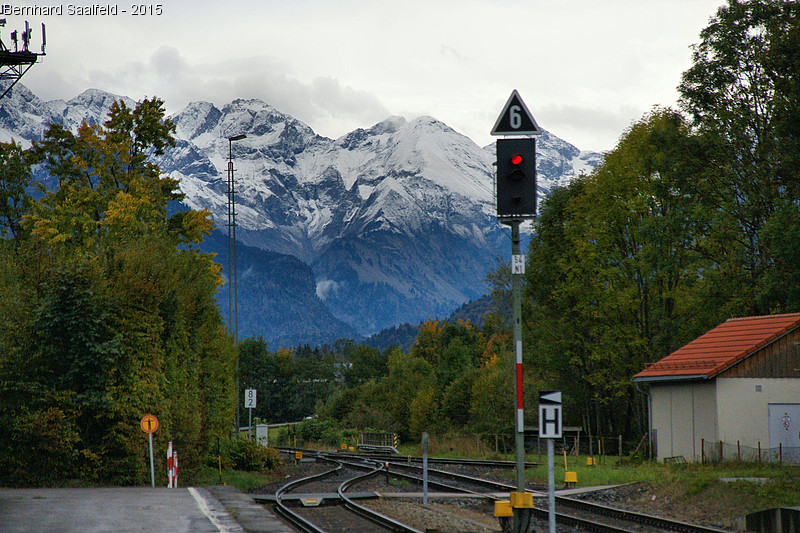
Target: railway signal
x=515 y=119
x=516 y=178
x=516 y=201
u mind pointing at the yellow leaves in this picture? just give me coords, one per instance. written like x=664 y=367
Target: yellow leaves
x=284 y=354
x=429 y=327
x=191 y=226
x=127 y=214
x=108 y=187
x=427 y=341
x=465 y=323
x=489 y=356
x=62 y=221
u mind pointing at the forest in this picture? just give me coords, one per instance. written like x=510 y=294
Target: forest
x=108 y=311
x=107 y=308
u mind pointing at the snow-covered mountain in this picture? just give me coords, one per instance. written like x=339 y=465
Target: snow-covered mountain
x=396 y=221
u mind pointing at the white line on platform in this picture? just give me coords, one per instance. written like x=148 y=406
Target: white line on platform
x=211 y=515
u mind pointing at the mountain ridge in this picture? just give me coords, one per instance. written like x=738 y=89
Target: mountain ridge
x=395 y=221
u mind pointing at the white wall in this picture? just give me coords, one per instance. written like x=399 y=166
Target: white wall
x=743 y=409
x=683 y=414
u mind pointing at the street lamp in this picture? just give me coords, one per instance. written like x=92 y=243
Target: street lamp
x=233 y=305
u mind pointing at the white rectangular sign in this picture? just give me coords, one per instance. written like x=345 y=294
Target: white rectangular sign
x=518 y=264
x=550 y=421
x=550 y=414
x=250 y=398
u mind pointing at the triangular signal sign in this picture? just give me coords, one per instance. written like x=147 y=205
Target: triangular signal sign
x=515 y=119
x=550 y=397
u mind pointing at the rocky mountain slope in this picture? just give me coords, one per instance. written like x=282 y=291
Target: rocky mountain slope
x=395 y=223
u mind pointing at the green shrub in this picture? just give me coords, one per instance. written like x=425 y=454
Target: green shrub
x=315 y=430
x=246 y=454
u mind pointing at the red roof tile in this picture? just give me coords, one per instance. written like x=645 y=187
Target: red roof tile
x=720 y=348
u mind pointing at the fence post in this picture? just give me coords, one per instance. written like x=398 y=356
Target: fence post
x=780 y=453
x=720 y=451
x=739 y=451
x=620 y=447
x=702 y=451
x=538 y=447
x=759 y=451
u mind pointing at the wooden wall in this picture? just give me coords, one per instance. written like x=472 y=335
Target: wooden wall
x=780 y=359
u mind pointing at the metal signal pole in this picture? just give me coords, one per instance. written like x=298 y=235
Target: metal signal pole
x=233 y=304
x=516 y=304
x=516 y=201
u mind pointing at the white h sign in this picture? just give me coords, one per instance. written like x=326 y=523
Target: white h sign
x=550 y=414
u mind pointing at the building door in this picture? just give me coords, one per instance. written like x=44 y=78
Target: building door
x=784 y=431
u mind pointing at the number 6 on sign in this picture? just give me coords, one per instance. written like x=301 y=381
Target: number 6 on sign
x=250 y=398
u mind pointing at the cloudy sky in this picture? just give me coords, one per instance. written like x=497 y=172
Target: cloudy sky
x=585 y=68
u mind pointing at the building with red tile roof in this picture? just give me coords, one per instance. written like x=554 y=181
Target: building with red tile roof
x=738 y=384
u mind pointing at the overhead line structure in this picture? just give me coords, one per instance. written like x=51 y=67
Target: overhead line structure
x=17 y=62
x=233 y=296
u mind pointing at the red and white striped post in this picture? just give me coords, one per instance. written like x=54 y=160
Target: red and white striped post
x=172 y=467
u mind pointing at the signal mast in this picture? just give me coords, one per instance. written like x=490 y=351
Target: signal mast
x=15 y=63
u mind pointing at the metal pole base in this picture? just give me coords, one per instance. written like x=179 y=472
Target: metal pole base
x=522 y=520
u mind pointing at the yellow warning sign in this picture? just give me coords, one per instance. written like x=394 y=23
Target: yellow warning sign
x=149 y=423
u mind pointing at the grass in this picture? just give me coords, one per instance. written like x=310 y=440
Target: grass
x=244 y=481
x=690 y=491
x=693 y=491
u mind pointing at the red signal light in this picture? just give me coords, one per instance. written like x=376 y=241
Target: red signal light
x=516 y=159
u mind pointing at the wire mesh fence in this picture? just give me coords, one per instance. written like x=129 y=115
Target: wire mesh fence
x=719 y=451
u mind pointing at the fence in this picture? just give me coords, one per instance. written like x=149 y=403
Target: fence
x=719 y=451
x=378 y=442
x=577 y=443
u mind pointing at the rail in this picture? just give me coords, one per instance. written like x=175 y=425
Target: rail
x=308 y=526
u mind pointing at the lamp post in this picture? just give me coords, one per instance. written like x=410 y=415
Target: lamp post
x=233 y=305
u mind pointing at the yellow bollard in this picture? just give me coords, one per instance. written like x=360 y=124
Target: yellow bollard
x=571 y=478
x=505 y=514
x=523 y=500
x=503 y=508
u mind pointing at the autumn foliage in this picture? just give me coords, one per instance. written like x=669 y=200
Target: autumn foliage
x=107 y=308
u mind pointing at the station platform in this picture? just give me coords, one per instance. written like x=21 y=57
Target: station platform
x=253 y=517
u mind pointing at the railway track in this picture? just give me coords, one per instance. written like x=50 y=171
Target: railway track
x=579 y=515
x=588 y=516
x=343 y=514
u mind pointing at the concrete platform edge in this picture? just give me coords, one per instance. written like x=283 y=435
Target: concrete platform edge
x=253 y=517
